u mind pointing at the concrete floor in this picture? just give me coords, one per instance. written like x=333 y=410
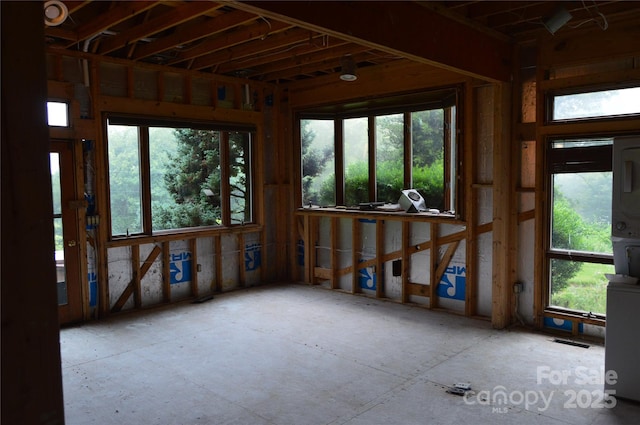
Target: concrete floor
x=306 y=355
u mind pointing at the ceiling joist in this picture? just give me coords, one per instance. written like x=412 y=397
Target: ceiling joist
x=401 y=28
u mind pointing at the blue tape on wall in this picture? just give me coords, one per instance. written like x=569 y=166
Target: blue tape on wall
x=252 y=257
x=93 y=289
x=367 y=279
x=453 y=283
x=565 y=325
x=180 y=267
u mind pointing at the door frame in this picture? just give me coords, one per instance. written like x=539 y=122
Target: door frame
x=73 y=234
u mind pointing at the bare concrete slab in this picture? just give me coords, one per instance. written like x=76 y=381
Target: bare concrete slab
x=294 y=354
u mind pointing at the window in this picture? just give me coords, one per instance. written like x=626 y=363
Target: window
x=595 y=104
x=168 y=176
x=58 y=114
x=580 y=250
x=371 y=151
x=317 y=140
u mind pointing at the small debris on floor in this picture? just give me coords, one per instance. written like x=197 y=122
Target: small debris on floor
x=459 y=388
x=202 y=299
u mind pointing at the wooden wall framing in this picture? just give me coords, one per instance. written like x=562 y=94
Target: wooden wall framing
x=124 y=96
x=309 y=229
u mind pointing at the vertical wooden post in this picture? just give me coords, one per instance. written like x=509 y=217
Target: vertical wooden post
x=502 y=216
x=241 y=253
x=408 y=153
x=339 y=165
x=540 y=264
x=379 y=258
x=135 y=269
x=217 y=242
x=81 y=224
x=309 y=250
x=355 y=255
x=406 y=259
x=166 y=272
x=31 y=372
x=193 y=247
x=468 y=145
x=314 y=226
x=373 y=189
x=335 y=231
x=434 y=257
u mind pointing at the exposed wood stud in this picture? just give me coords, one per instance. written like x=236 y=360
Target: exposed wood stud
x=241 y=253
x=502 y=265
x=128 y=291
x=470 y=203
x=355 y=255
x=433 y=264
x=166 y=272
x=308 y=249
x=335 y=229
x=135 y=266
x=193 y=247
x=379 y=273
x=217 y=252
x=446 y=259
x=406 y=260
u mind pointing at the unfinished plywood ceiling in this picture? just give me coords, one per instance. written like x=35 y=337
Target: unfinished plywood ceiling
x=281 y=42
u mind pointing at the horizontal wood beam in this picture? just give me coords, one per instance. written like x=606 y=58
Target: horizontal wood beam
x=168 y=19
x=401 y=28
x=189 y=33
x=418 y=289
x=258 y=30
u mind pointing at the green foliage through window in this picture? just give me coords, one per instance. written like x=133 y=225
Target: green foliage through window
x=182 y=174
x=430 y=143
x=580 y=232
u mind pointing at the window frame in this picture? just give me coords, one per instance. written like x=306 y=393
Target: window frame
x=224 y=128
x=446 y=98
x=570 y=160
x=550 y=96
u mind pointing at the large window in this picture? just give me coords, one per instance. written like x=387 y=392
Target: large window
x=169 y=176
x=370 y=155
x=580 y=250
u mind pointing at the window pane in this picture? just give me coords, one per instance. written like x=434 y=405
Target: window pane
x=57 y=114
x=54 y=163
x=427 y=129
x=185 y=177
x=356 y=161
x=124 y=180
x=582 y=212
x=596 y=104
x=240 y=177
x=579 y=286
x=580 y=143
x=453 y=160
x=318 y=162
x=389 y=157
x=163 y=146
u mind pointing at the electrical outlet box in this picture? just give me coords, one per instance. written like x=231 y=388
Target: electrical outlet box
x=518 y=287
